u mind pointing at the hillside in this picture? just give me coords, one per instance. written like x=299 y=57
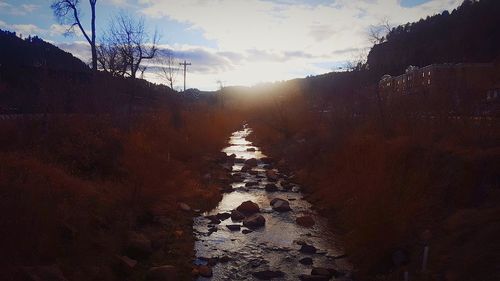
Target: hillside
x=470 y=33
x=38 y=77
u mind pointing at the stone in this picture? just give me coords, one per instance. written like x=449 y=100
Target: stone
x=184 y=207
x=306 y=261
x=251 y=183
x=305 y=221
x=308 y=249
x=268 y=274
x=252 y=162
x=271 y=187
x=234 y=227
x=162 y=273
x=280 y=205
x=251 y=149
x=237 y=215
x=246 y=231
x=205 y=271
x=138 y=245
x=248 y=208
x=213 y=219
x=223 y=216
x=254 y=221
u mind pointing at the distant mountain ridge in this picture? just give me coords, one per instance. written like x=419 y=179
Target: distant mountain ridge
x=33 y=52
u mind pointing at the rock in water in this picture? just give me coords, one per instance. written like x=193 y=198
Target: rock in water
x=237 y=215
x=306 y=261
x=280 y=205
x=305 y=221
x=252 y=162
x=271 y=187
x=254 y=221
x=233 y=227
x=268 y=274
x=308 y=249
x=248 y=208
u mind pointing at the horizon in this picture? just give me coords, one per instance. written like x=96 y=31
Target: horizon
x=249 y=43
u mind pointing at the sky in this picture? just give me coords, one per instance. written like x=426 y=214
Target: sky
x=236 y=42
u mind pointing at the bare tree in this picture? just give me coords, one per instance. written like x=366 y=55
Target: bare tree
x=377 y=33
x=111 y=60
x=169 y=69
x=68 y=12
x=126 y=45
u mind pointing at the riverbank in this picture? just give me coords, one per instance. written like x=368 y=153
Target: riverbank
x=393 y=194
x=83 y=198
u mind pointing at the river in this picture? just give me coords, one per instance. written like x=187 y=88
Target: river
x=274 y=247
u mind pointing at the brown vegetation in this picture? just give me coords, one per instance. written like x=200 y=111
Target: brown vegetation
x=72 y=187
x=391 y=186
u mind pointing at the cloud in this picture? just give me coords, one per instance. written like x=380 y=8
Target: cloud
x=17 y=10
x=80 y=49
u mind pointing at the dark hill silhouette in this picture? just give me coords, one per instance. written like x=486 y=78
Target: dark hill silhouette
x=38 y=77
x=470 y=33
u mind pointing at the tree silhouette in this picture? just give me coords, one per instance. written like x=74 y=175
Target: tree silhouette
x=126 y=45
x=68 y=12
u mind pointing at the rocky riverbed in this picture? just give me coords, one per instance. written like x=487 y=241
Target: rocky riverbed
x=262 y=229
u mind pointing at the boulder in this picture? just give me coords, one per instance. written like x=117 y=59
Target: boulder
x=223 y=216
x=268 y=274
x=252 y=162
x=213 y=219
x=237 y=215
x=254 y=221
x=308 y=249
x=248 y=208
x=305 y=221
x=246 y=168
x=251 y=149
x=162 y=273
x=138 y=245
x=234 y=227
x=306 y=261
x=271 y=187
x=251 y=183
x=280 y=205
x=246 y=231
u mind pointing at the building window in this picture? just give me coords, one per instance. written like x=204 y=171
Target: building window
x=429 y=73
x=428 y=81
x=423 y=74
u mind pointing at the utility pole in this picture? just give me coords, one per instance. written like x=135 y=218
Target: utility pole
x=185 y=64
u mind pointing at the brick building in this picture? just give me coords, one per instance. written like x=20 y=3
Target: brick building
x=454 y=87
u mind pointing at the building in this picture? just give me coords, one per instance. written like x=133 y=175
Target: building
x=454 y=87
